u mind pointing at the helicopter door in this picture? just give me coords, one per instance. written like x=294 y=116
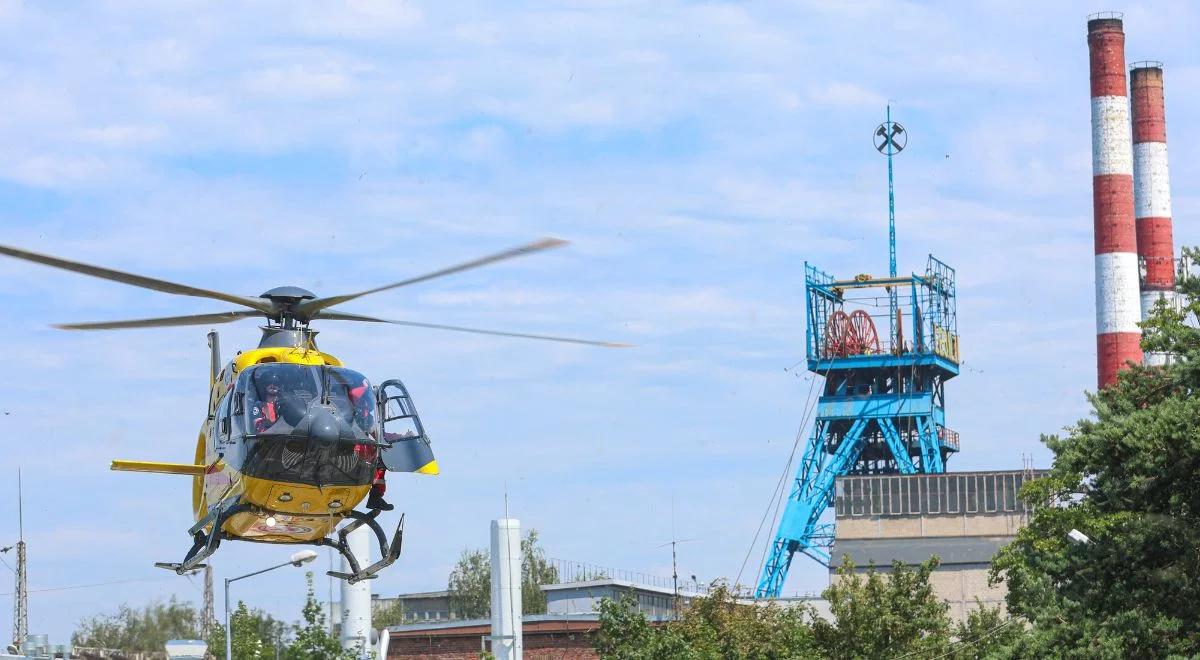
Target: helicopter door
x=406 y=447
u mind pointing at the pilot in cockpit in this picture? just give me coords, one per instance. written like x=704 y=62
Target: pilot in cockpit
x=266 y=411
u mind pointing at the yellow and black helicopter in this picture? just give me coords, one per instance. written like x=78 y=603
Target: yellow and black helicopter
x=292 y=438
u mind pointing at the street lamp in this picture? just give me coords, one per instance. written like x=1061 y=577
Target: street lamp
x=297 y=559
x=1078 y=538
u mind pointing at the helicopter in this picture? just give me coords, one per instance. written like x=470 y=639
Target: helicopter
x=292 y=437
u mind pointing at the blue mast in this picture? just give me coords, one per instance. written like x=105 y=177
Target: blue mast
x=891 y=150
x=889 y=132
x=882 y=408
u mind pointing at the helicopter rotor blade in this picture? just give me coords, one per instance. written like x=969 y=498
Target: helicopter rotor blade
x=166 y=321
x=342 y=316
x=311 y=307
x=259 y=304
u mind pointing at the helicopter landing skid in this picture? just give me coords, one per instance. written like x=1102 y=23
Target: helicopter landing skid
x=203 y=545
x=389 y=552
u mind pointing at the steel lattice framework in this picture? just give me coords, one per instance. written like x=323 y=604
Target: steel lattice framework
x=882 y=410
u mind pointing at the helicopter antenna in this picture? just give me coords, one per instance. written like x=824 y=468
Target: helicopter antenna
x=21 y=593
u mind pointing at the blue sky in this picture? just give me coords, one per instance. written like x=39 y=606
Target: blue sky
x=696 y=154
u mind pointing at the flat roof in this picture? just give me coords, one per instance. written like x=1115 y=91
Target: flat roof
x=417 y=594
x=624 y=584
x=474 y=627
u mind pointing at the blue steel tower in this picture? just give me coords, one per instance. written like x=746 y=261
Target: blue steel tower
x=883 y=407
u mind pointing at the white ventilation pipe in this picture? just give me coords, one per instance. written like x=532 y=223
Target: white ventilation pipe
x=507 y=642
x=356 y=598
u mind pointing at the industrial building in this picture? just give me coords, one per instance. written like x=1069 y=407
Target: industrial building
x=583 y=597
x=546 y=637
x=963 y=518
x=566 y=630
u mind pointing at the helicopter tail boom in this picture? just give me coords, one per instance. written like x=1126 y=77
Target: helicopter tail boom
x=158 y=468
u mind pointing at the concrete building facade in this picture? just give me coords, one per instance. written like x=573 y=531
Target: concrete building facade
x=962 y=517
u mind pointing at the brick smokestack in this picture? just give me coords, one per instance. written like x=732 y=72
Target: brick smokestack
x=1118 y=305
x=1152 y=189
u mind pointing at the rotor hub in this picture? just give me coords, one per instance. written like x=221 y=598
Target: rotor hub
x=288 y=294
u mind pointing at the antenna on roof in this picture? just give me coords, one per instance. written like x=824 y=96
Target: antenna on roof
x=674 y=565
x=21 y=593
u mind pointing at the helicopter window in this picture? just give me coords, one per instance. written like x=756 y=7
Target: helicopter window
x=277 y=393
x=352 y=396
x=400 y=418
x=223 y=415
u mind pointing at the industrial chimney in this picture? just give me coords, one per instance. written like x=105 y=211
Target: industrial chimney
x=1118 y=308
x=1152 y=190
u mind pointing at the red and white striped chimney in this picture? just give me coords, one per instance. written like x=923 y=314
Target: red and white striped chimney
x=1152 y=189
x=1118 y=308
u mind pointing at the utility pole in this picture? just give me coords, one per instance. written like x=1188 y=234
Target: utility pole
x=674 y=580
x=21 y=592
x=206 y=623
x=675 y=572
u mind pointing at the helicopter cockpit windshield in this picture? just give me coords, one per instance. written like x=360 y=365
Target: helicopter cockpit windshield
x=306 y=424
x=316 y=402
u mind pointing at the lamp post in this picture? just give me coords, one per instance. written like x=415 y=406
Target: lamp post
x=297 y=559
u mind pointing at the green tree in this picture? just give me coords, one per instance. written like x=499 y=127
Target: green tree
x=626 y=634
x=313 y=641
x=986 y=633
x=255 y=634
x=1128 y=477
x=879 y=615
x=392 y=615
x=470 y=586
x=470 y=582
x=132 y=630
x=720 y=626
x=717 y=626
x=536 y=570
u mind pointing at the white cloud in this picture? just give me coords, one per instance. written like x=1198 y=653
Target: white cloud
x=117 y=135
x=297 y=81
x=60 y=170
x=846 y=93
x=353 y=19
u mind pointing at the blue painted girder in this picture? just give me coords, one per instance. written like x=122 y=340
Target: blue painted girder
x=812 y=490
x=919 y=404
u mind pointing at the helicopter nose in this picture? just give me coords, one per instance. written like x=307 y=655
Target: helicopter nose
x=324 y=426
